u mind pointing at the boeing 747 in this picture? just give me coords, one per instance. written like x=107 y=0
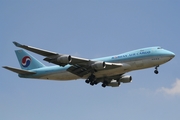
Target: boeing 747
x=110 y=71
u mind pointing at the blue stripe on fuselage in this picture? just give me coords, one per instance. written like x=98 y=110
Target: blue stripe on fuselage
x=132 y=55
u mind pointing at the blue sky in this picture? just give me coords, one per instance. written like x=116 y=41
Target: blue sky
x=90 y=29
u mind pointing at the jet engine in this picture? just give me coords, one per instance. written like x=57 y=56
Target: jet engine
x=66 y=59
x=99 y=65
x=114 y=83
x=125 y=79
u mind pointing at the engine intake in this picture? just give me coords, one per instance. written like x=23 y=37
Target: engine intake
x=99 y=65
x=66 y=59
x=125 y=79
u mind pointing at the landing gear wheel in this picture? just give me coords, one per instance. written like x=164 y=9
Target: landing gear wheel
x=87 y=81
x=103 y=85
x=95 y=82
x=156 y=72
x=92 y=83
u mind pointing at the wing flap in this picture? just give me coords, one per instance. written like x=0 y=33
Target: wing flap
x=79 y=70
x=19 y=71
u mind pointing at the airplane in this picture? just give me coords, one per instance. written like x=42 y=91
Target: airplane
x=110 y=71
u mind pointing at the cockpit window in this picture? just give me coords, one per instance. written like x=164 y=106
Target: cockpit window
x=159 y=48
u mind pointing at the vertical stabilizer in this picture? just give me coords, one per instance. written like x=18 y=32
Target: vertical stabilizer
x=27 y=61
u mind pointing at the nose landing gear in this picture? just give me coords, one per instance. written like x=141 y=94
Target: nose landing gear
x=156 y=70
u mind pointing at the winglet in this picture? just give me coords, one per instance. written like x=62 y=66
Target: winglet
x=17 y=44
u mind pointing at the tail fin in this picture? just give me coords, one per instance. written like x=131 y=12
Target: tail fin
x=27 y=61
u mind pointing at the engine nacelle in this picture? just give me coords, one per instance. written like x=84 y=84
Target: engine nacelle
x=114 y=83
x=125 y=79
x=99 y=65
x=66 y=59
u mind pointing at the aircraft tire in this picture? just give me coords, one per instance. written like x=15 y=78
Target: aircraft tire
x=87 y=81
x=156 y=72
x=92 y=83
x=103 y=85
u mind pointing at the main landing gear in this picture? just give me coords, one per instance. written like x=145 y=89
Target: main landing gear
x=92 y=80
x=104 y=84
x=156 y=70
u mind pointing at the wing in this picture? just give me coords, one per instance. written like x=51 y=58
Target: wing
x=80 y=66
x=81 y=70
x=53 y=57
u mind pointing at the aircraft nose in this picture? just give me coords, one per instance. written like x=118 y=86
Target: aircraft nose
x=170 y=54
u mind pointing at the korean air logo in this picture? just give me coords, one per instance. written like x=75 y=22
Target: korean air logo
x=26 y=61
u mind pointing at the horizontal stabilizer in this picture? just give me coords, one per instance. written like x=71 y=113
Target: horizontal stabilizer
x=19 y=71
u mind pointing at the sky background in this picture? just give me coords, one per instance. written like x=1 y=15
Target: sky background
x=90 y=29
